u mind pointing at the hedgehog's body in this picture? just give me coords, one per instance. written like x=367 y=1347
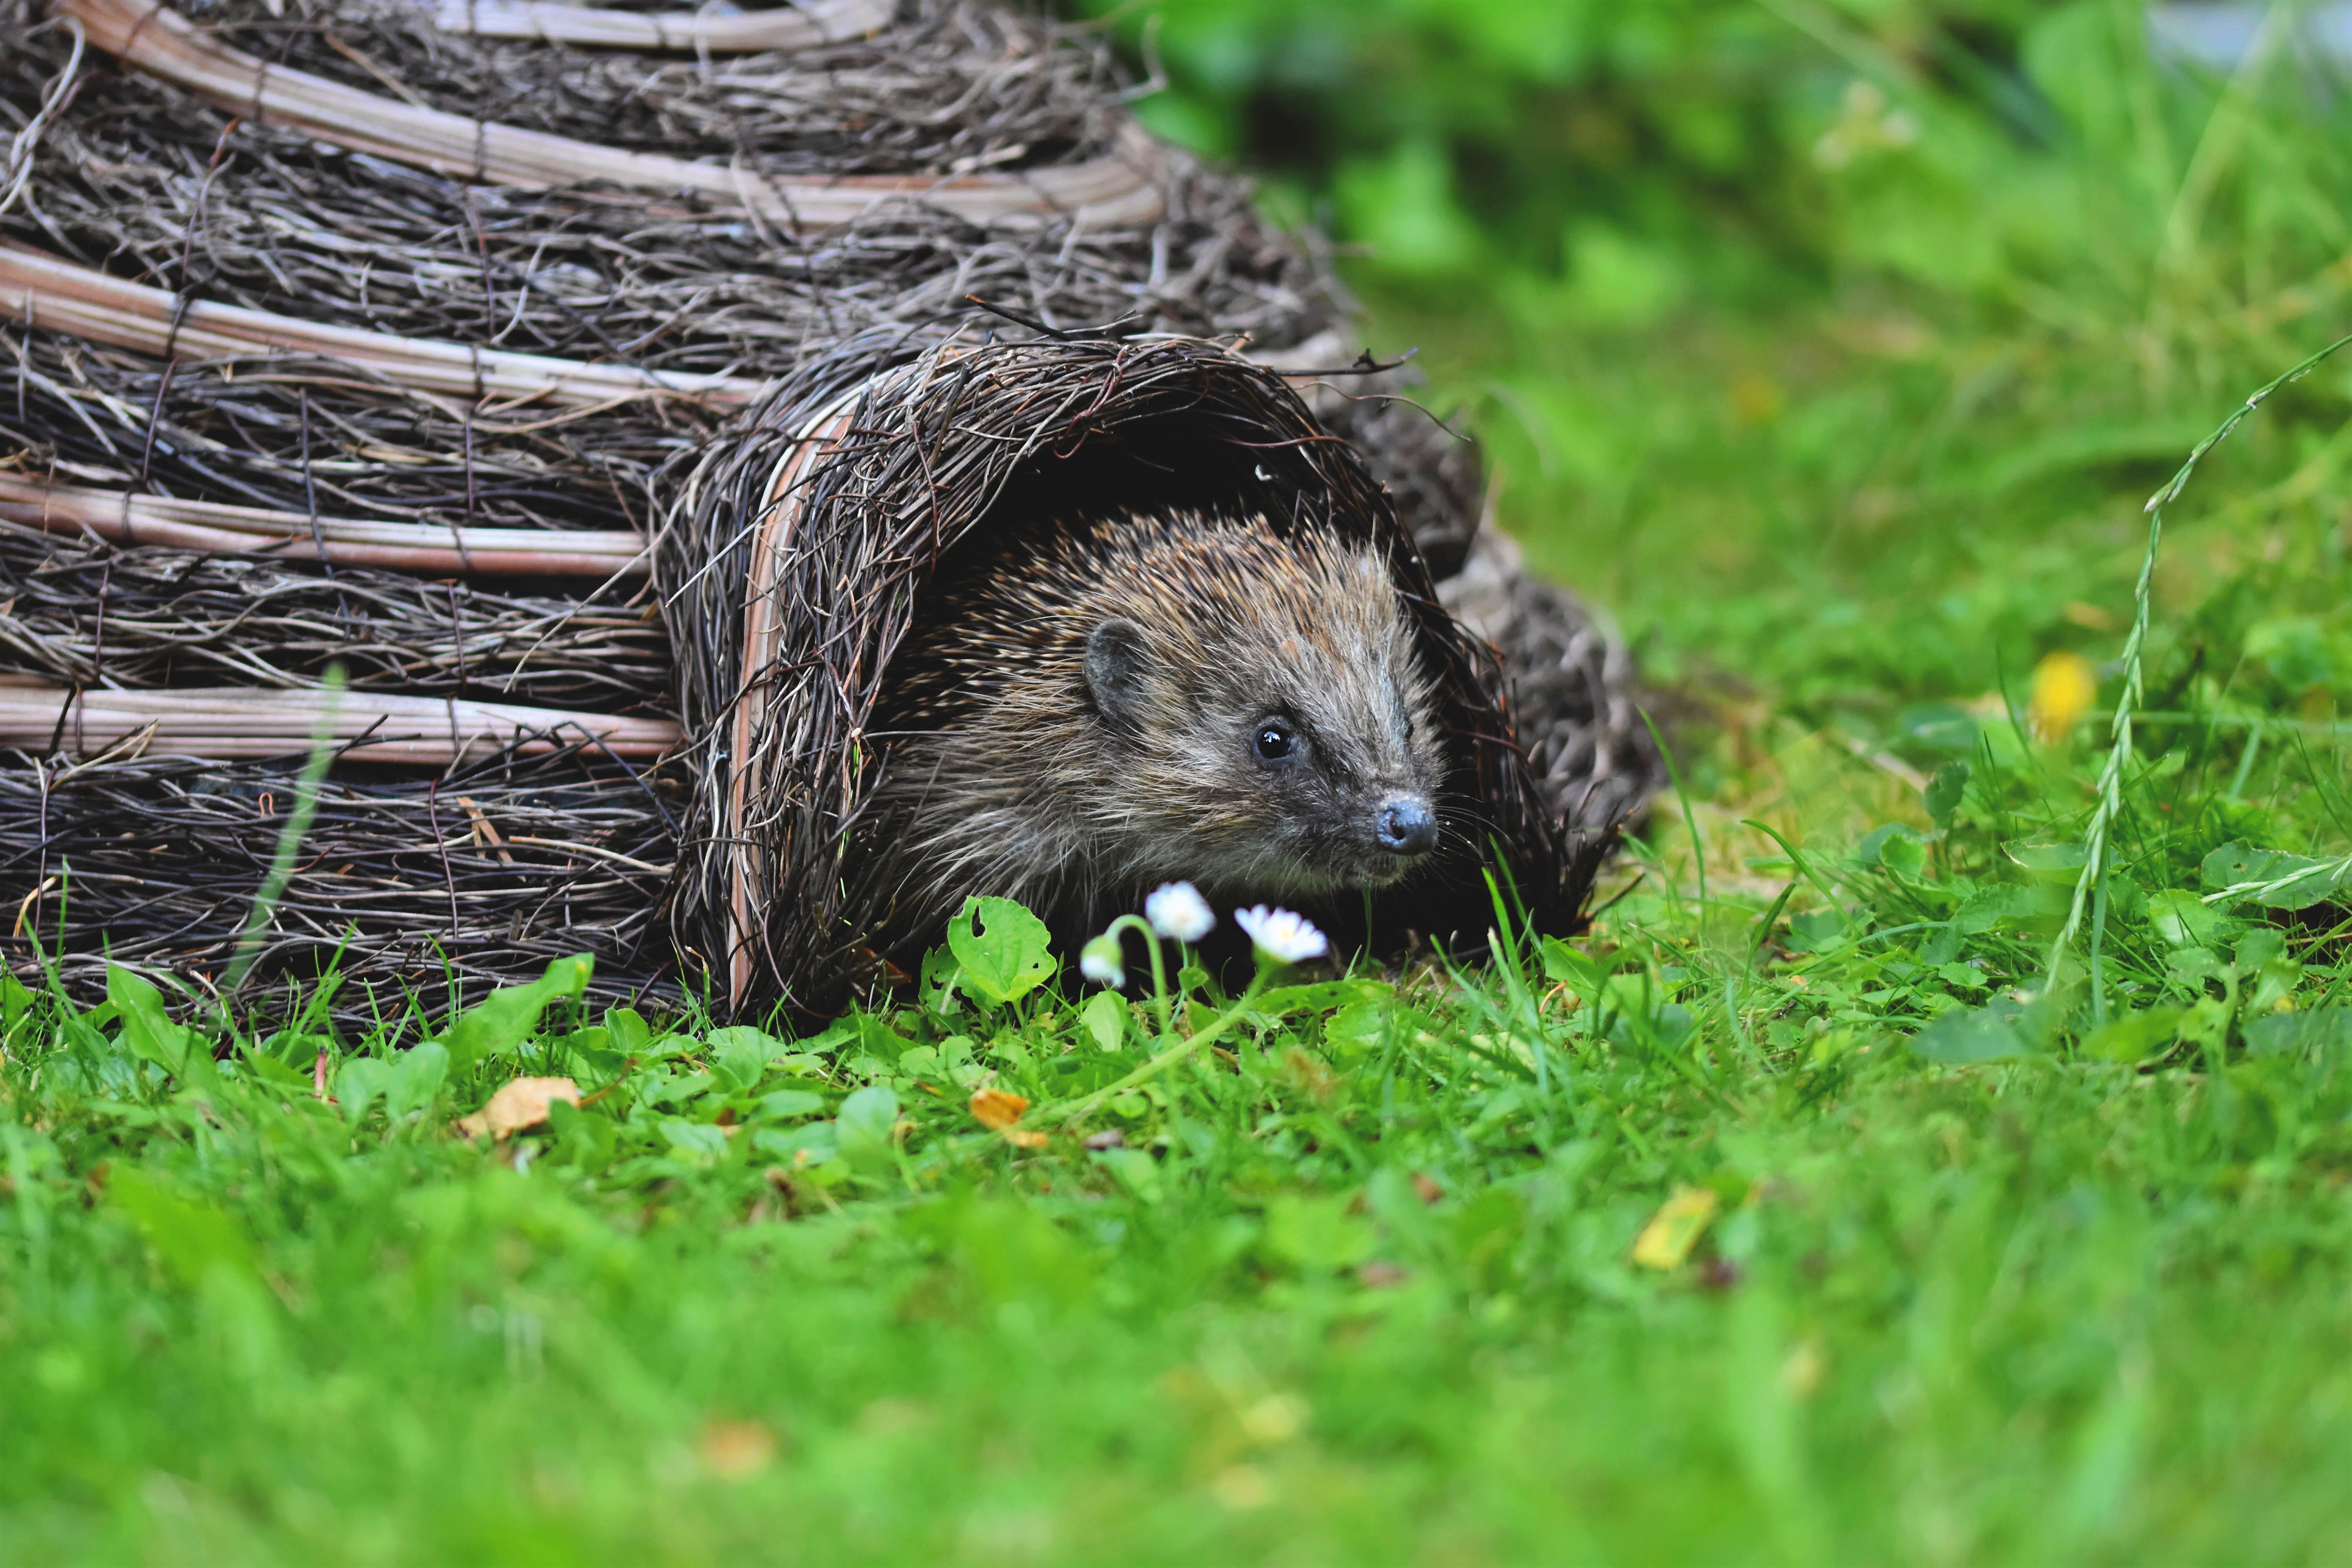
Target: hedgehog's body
x=1148 y=698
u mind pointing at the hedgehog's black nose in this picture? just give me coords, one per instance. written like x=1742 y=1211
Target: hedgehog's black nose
x=1405 y=824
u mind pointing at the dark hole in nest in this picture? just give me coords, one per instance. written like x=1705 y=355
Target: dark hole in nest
x=1168 y=463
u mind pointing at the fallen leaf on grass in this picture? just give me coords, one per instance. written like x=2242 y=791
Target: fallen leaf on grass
x=1675 y=1228
x=995 y=1110
x=734 y=1449
x=519 y=1104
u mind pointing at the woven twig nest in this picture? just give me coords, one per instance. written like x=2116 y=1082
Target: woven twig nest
x=389 y=337
x=800 y=547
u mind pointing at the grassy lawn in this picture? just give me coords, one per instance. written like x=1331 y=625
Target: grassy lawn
x=1824 y=1202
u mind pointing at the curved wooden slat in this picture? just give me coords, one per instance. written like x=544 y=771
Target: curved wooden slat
x=44 y=290
x=787 y=493
x=211 y=529
x=797 y=26
x=229 y=723
x=1116 y=190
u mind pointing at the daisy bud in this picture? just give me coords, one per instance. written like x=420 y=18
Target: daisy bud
x=1101 y=962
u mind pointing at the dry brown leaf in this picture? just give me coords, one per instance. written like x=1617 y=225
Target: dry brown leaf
x=734 y=1449
x=1024 y=1137
x=995 y=1110
x=519 y=1104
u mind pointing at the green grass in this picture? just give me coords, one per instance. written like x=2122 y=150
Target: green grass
x=1360 y=1293
x=2001 y=1267
x=1359 y=1288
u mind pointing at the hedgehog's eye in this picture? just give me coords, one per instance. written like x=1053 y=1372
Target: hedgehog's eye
x=1275 y=741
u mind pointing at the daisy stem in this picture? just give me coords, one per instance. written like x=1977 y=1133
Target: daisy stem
x=1159 y=965
x=1071 y=1111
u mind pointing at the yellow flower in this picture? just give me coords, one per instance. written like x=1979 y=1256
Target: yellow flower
x=2064 y=686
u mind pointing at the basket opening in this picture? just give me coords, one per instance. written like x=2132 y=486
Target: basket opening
x=1195 y=461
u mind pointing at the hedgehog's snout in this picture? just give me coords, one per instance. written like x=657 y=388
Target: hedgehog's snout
x=1404 y=825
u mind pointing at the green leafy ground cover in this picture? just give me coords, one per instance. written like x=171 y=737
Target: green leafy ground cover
x=1849 y=412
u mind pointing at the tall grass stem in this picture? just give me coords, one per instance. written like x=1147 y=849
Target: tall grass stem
x=290 y=838
x=2109 y=808
x=1690 y=819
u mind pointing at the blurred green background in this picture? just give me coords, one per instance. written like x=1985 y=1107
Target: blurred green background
x=1834 y=347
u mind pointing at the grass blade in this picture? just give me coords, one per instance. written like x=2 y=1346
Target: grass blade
x=289 y=840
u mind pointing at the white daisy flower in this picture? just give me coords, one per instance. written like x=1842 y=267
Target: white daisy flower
x=1179 y=913
x=1280 y=934
x=1100 y=962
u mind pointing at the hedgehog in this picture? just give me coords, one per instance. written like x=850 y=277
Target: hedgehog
x=1085 y=712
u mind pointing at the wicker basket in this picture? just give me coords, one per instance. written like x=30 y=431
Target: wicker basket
x=596 y=388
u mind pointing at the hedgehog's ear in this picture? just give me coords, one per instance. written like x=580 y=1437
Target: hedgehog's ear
x=1117 y=666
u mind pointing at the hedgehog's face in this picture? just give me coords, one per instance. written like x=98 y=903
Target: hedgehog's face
x=1286 y=746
